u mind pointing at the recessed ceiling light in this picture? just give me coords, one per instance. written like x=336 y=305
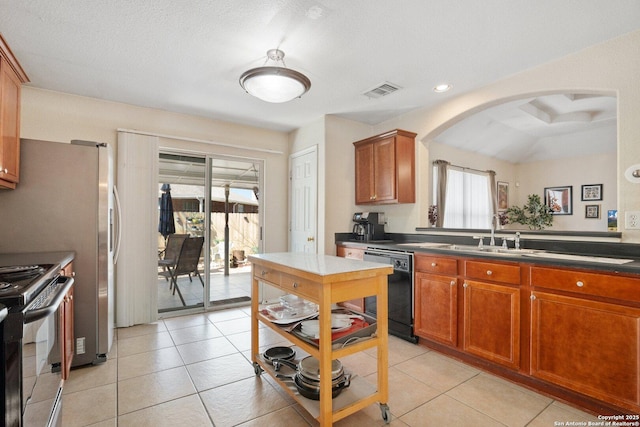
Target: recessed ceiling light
x=442 y=88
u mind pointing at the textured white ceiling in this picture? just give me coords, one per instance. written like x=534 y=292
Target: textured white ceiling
x=187 y=56
x=535 y=129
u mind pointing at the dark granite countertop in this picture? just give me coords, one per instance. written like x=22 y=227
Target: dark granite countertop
x=59 y=258
x=583 y=253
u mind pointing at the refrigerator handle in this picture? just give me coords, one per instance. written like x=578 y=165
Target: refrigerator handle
x=118 y=228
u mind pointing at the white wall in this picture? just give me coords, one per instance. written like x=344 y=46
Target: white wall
x=505 y=171
x=300 y=140
x=610 y=68
x=340 y=176
x=62 y=117
x=576 y=171
x=334 y=137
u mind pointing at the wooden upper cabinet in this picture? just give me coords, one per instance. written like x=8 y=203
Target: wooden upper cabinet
x=385 y=168
x=11 y=78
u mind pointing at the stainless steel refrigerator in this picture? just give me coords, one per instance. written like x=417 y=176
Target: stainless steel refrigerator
x=64 y=202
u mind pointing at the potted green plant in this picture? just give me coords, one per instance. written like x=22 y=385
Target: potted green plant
x=534 y=214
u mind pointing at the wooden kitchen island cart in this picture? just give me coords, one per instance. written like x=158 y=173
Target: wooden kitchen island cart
x=325 y=280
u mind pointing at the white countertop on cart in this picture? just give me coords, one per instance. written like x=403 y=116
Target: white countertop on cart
x=322 y=265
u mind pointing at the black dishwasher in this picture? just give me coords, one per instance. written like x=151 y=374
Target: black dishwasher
x=400 y=291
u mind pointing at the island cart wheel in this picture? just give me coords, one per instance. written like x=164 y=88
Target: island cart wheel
x=257 y=369
x=386 y=416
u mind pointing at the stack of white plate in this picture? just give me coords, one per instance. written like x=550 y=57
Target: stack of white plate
x=339 y=323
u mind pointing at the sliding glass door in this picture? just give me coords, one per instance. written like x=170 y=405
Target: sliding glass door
x=235 y=227
x=215 y=203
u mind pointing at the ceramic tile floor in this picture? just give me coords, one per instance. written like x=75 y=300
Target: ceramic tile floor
x=236 y=284
x=194 y=370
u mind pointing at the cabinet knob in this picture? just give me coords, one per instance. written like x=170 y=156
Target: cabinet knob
x=263 y=272
x=465 y=285
x=532 y=297
x=433 y=264
x=295 y=285
x=489 y=272
x=579 y=284
x=453 y=283
x=5 y=170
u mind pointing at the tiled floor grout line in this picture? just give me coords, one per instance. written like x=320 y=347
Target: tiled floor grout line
x=173 y=325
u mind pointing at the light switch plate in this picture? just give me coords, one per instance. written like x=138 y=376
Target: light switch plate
x=632 y=220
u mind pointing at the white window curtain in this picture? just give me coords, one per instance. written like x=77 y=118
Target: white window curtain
x=468 y=199
x=137 y=266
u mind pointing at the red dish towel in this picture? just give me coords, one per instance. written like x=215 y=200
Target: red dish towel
x=355 y=326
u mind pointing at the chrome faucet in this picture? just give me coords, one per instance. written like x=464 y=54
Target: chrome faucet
x=494 y=224
x=517 y=240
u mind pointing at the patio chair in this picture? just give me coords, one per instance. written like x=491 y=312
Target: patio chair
x=187 y=263
x=169 y=256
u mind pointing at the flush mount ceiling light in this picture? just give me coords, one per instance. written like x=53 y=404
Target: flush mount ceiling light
x=444 y=87
x=275 y=83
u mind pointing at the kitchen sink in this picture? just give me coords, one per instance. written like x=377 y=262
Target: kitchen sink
x=586 y=258
x=498 y=250
x=425 y=245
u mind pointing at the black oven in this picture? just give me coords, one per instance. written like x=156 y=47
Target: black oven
x=31 y=344
x=400 y=292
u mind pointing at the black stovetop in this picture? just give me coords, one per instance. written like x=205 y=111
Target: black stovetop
x=19 y=284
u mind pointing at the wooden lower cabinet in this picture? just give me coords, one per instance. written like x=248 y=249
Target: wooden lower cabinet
x=352 y=253
x=66 y=326
x=436 y=308
x=68 y=339
x=588 y=346
x=492 y=322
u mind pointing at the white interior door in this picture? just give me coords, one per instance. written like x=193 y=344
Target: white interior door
x=304 y=201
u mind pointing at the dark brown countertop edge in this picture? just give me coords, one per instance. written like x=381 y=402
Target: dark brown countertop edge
x=586 y=248
x=59 y=258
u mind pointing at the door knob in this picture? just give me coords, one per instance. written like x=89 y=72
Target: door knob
x=310 y=239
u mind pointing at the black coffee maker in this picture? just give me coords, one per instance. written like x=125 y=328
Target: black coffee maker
x=368 y=226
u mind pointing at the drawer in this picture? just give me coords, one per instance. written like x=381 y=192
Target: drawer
x=436 y=265
x=267 y=274
x=505 y=273
x=301 y=287
x=597 y=284
x=349 y=252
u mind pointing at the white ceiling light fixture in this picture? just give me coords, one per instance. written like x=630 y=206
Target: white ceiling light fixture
x=441 y=88
x=275 y=84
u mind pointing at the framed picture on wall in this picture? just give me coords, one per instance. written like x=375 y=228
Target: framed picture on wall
x=591 y=192
x=503 y=195
x=592 y=211
x=559 y=199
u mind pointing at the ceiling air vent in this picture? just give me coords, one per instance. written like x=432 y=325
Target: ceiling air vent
x=381 y=90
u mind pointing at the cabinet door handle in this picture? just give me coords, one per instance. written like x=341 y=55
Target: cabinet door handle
x=579 y=284
x=489 y=272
